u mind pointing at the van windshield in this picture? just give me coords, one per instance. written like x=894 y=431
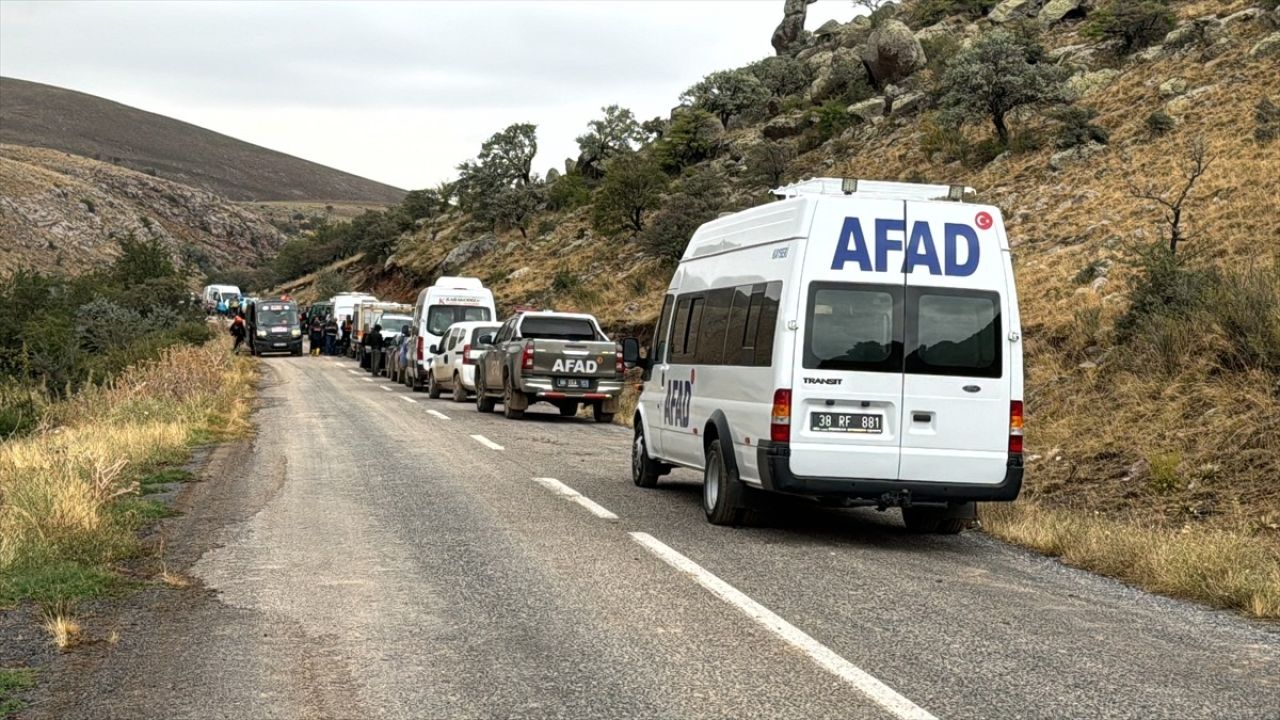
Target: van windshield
x=394 y=322
x=440 y=317
x=543 y=327
x=277 y=315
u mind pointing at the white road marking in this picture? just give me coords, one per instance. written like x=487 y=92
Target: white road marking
x=409 y=400
x=367 y=379
x=563 y=490
x=442 y=416
x=384 y=387
x=879 y=693
x=487 y=442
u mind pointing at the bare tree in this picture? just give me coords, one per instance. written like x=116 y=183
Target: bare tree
x=1195 y=165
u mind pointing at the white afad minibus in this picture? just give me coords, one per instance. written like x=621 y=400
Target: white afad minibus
x=447 y=301
x=855 y=342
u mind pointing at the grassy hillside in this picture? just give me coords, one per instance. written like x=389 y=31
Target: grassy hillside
x=1153 y=388
x=66 y=212
x=45 y=116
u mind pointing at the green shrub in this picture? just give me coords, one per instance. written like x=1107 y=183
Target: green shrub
x=1245 y=306
x=699 y=198
x=1165 y=286
x=928 y=12
x=692 y=136
x=1267 y=118
x=728 y=94
x=633 y=186
x=1160 y=123
x=1136 y=24
x=833 y=119
x=569 y=191
x=782 y=75
x=565 y=281
x=1076 y=127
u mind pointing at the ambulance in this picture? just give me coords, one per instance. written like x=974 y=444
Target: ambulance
x=856 y=342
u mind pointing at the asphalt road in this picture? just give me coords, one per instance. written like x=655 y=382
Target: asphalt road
x=377 y=555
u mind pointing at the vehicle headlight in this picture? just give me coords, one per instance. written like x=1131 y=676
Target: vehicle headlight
x=262 y=333
x=296 y=332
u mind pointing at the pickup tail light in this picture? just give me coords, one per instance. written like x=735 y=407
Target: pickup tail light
x=780 y=418
x=620 y=367
x=421 y=345
x=466 y=355
x=526 y=358
x=1015 y=427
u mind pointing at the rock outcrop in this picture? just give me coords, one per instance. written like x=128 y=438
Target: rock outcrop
x=892 y=53
x=787 y=37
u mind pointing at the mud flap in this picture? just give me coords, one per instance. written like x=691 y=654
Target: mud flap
x=609 y=405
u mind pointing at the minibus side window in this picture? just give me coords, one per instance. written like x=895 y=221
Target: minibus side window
x=768 y=323
x=854 y=327
x=715 y=320
x=954 y=332
x=693 y=329
x=661 y=337
x=681 y=327
x=737 y=351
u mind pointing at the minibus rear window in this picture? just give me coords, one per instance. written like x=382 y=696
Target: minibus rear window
x=852 y=327
x=956 y=332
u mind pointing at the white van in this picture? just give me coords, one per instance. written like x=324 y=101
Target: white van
x=856 y=342
x=344 y=304
x=214 y=293
x=449 y=300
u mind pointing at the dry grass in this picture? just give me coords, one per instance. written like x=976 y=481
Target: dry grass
x=61 y=625
x=1225 y=568
x=59 y=487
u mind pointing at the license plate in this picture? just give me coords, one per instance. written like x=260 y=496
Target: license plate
x=846 y=422
x=278 y=344
x=281 y=329
x=573 y=383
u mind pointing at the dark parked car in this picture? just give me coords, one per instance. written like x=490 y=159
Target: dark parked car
x=273 y=327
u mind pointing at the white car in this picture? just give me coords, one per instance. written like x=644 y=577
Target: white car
x=857 y=342
x=453 y=360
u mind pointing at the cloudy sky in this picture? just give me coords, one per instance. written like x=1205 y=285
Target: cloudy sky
x=400 y=92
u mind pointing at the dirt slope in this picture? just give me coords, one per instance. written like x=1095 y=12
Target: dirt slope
x=45 y=116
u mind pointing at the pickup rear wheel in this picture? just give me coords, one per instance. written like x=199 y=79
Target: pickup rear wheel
x=433 y=389
x=597 y=411
x=459 y=392
x=722 y=492
x=508 y=397
x=644 y=470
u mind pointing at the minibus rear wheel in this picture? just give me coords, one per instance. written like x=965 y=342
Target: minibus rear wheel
x=722 y=492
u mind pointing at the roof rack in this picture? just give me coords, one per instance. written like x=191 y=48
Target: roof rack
x=872 y=189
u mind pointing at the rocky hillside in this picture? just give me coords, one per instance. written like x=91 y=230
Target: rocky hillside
x=45 y=116
x=1153 y=380
x=61 y=211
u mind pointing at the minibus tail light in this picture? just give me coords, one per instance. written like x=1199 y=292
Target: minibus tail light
x=1015 y=427
x=526 y=358
x=780 y=420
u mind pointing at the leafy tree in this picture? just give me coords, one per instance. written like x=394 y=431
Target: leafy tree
x=508 y=154
x=142 y=260
x=692 y=136
x=419 y=204
x=781 y=75
x=614 y=134
x=569 y=191
x=727 y=94
x=632 y=187
x=999 y=73
x=1135 y=23
x=654 y=128
x=515 y=206
x=768 y=162
x=698 y=199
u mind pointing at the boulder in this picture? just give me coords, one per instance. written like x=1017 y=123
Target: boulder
x=1013 y=10
x=1083 y=84
x=892 y=53
x=868 y=110
x=790 y=32
x=1172 y=87
x=1200 y=31
x=1246 y=15
x=1054 y=11
x=1272 y=19
x=552 y=175
x=1151 y=54
x=909 y=104
x=828 y=31
x=789 y=125
x=1060 y=160
x=1268 y=46
x=1185 y=102
x=467 y=251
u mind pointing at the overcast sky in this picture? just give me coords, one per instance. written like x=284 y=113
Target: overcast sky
x=399 y=92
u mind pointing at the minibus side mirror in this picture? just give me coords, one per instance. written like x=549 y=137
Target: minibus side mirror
x=630 y=352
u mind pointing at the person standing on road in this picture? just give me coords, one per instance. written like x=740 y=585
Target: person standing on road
x=237 y=331
x=345 y=337
x=330 y=335
x=375 y=342
x=317 y=336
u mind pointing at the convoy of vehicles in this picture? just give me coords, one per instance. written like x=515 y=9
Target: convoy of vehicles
x=856 y=342
x=272 y=326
